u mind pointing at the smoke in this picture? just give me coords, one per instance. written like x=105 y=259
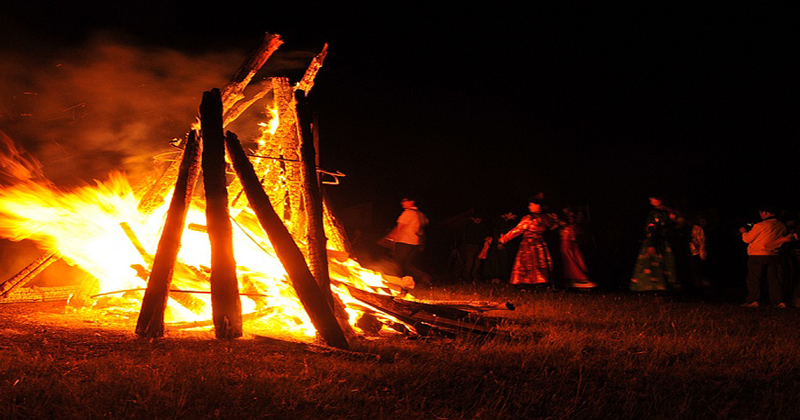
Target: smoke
x=85 y=111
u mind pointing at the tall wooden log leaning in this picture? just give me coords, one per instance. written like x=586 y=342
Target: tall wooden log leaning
x=312 y=197
x=151 y=316
x=225 y=303
x=314 y=210
x=289 y=254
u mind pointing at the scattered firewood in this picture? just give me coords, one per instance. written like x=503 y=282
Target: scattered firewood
x=427 y=318
x=472 y=306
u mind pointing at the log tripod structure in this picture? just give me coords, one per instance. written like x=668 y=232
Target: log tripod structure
x=295 y=198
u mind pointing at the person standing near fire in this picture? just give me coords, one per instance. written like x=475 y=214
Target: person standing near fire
x=763 y=262
x=409 y=238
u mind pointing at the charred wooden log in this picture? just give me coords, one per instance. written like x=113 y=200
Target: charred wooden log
x=28 y=273
x=240 y=107
x=307 y=82
x=151 y=316
x=472 y=306
x=40 y=294
x=287 y=250
x=234 y=90
x=225 y=303
x=427 y=318
x=312 y=197
x=315 y=224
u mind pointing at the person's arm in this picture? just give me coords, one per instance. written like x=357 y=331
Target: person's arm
x=402 y=222
x=513 y=233
x=752 y=234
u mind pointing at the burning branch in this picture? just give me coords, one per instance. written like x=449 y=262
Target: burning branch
x=234 y=91
x=311 y=73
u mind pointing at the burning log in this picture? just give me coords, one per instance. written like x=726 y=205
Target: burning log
x=339 y=238
x=28 y=273
x=225 y=303
x=151 y=316
x=288 y=148
x=236 y=110
x=289 y=254
x=189 y=302
x=40 y=294
x=154 y=190
x=307 y=82
x=312 y=197
x=234 y=90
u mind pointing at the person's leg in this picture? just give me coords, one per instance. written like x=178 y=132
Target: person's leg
x=775 y=282
x=406 y=258
x=755 y=274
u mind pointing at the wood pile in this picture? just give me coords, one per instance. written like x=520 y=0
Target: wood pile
x=280 y=183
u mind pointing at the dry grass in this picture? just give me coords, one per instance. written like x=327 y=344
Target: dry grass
x=571 y=356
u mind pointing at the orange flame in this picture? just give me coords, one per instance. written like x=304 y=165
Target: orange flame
x=84 y=227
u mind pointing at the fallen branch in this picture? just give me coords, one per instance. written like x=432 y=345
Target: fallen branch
x=28 y=273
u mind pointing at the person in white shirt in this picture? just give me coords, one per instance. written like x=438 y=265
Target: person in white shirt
x=408 y=236
x=763 y=262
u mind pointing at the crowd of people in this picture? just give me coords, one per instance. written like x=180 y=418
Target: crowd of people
x=545 y=249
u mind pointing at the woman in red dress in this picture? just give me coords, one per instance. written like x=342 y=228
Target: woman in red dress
x=534 y=264
x=573 y=266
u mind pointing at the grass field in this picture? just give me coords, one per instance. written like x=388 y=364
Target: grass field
x=571 y=355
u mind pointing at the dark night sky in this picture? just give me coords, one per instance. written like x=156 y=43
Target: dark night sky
x=482 y=106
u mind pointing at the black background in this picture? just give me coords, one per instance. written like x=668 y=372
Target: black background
x=482 y=106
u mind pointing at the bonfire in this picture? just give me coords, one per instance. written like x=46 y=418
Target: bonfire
x=253 y=246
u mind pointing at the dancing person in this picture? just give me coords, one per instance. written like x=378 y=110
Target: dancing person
x=655 y=268
x=408 y=237
x=699 y=254
x=473 y=239
x=499 y=259
x=763 y=262
x=573 y=266
x=534 y=264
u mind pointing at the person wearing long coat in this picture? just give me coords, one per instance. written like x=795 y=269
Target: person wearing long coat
x=534 y=264
x=573 y=266
x=655 y=268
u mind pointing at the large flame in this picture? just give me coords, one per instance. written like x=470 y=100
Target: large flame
x=100 y=229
